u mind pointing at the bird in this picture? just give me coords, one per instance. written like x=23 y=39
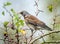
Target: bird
x=33 y=22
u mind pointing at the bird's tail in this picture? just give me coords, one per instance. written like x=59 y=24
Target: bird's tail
x=47 y=28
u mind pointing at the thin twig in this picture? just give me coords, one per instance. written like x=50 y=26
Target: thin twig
x=17 y=36
x=36 y=4
x=26 y=40
x=7 y=11
x=43 y=37
x=9 y=14
x=37 y=8
x=31 y=35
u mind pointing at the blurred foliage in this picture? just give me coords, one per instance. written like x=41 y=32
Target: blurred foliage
x=7 y=4
x=55 y=0
x=50 y=8
x=17 y=21
x=22 y=31
x=57 y=26
x=21 y=22
x=5 y=23
x=3 y=13
x=5 y=32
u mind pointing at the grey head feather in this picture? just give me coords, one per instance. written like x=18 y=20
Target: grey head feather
x=24 y=13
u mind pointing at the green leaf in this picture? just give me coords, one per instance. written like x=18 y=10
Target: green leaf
x=5 y=23
x=50 y=8
x=7 y=4
x=17 y=24
x=21 y=22
x=3 y=13
x=12 y=9
x=15 y=14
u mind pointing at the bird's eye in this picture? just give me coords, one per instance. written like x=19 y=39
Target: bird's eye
x=21 y=13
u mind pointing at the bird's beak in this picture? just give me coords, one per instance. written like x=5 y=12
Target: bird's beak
x=19 y=13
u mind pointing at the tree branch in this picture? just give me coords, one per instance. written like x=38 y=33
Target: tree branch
x=50 y=42
x=39 y=37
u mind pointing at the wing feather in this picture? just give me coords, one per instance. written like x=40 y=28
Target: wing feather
x=34 y=21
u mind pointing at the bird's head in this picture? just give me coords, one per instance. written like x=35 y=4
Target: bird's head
x=24 y=13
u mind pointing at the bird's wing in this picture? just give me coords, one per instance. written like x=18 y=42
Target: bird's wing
x=34 y=21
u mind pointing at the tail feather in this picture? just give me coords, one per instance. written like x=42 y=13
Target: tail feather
x=46 y=27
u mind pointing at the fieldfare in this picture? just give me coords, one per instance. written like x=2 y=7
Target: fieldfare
x=32 y=22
